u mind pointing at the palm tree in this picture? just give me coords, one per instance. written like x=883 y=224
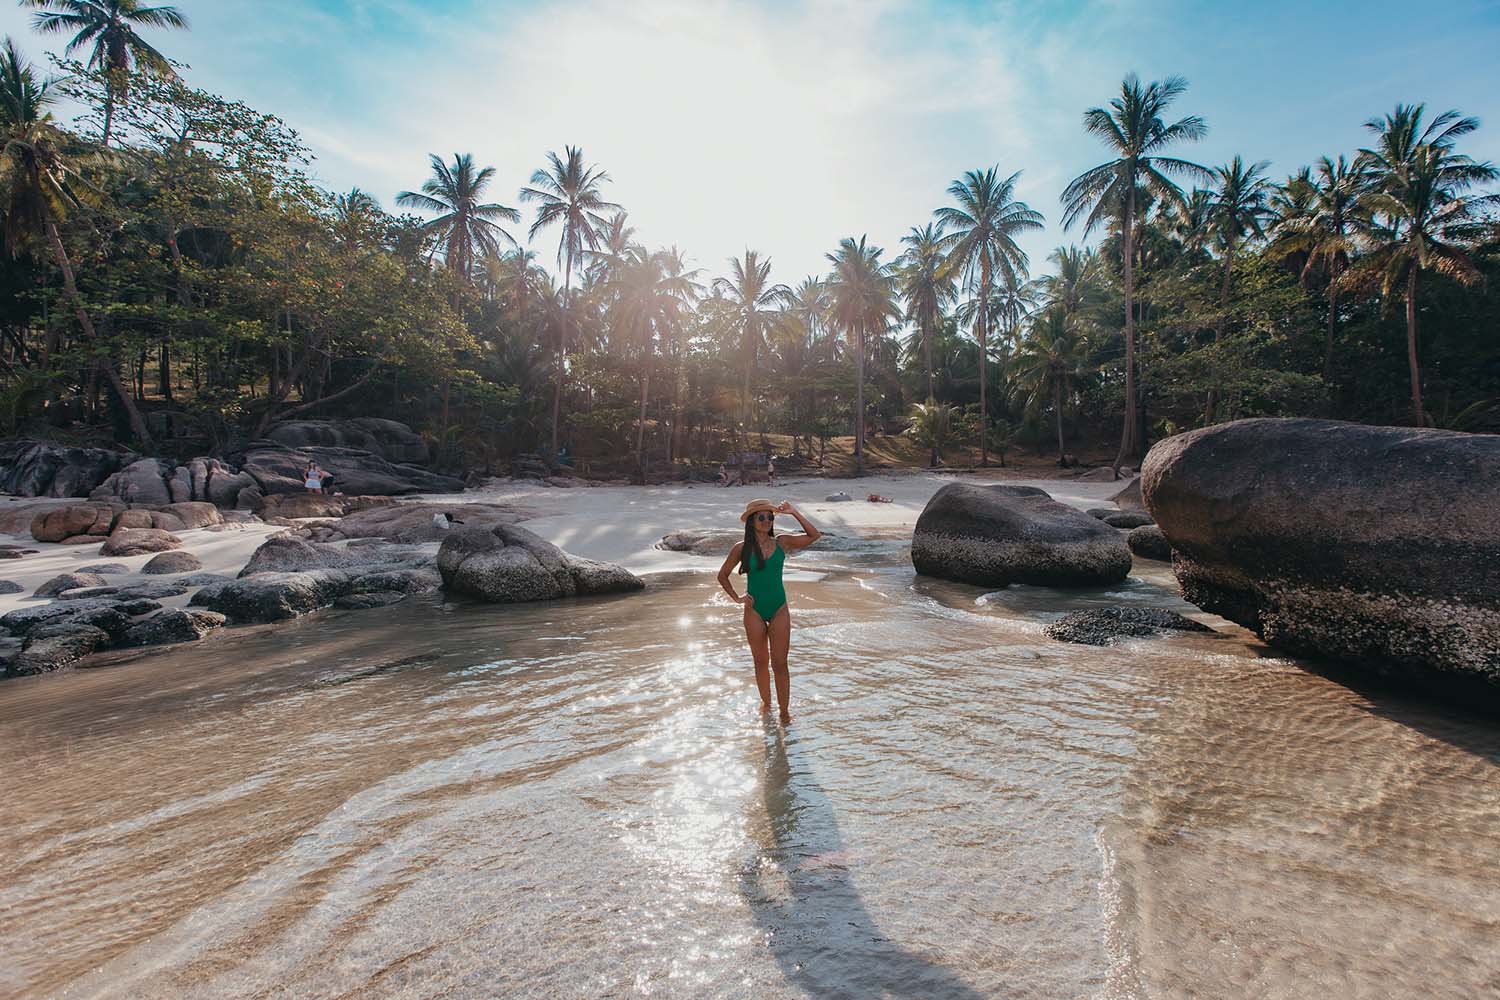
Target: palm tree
x=35 y=177
x=465 y=227
x=1049 y=360
x=1133 y=128
x=981 y=245
x=752 y=301
x=1420 y=219
x=1317 y=219
x=569 y=194
x=925 y=288
x=1236 y=210
x=110 y=25
x=1077 y=287
x=679 y=283
x=862 y=301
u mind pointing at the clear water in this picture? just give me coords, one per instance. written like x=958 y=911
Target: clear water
x=579 y=799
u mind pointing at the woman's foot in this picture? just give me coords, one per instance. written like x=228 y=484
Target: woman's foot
x=786 y=718
x=765 y=708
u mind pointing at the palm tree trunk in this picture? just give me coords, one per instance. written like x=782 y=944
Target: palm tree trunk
x=1127 y=433
x=640 y=427
x=109 y=106
x=558 y=370
x=859 y=401
x=1213 y=389
x=70 y=289
x=984 y=329
x=1057 y=401
x=931 y=397
x=1411 y=346
x=1333 y=305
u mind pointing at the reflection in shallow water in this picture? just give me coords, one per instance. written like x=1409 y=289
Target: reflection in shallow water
x=579 y=799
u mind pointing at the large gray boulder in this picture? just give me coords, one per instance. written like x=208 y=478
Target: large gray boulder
x=1376 y=546
x=392 y=441
x=289 y=554
x=993 y=536
x=99 y=612
x=273 y=597
x=172 y=625
x=37 y=469
x=142 y=482
x=505 y=564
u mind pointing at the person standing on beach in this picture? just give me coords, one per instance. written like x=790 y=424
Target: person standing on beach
x=768 y=619
x=312 y=477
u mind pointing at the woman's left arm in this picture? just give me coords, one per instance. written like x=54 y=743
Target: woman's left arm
x=810 y=532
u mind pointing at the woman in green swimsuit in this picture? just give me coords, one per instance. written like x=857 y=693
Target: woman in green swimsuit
x=768 y=621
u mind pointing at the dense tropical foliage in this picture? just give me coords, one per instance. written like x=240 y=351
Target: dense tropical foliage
x=173 y=280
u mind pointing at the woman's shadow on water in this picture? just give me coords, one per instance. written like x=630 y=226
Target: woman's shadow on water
x=802 y=895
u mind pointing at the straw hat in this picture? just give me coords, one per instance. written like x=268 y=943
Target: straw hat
x=757 y=505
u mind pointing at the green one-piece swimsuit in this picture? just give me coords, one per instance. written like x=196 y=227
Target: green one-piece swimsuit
x=764 y=584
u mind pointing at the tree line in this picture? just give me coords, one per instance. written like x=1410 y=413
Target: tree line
x=173 y=278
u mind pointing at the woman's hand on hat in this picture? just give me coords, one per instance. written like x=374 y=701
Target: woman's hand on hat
x=785 y=507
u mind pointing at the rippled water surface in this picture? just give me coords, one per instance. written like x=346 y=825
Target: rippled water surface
x=579 y=799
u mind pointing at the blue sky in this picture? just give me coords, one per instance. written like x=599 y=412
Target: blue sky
x=784 y=126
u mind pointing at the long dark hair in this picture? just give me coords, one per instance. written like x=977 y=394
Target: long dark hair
x=752 y=545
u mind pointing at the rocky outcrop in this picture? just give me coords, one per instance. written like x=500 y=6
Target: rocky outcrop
x=277 y=468
x=141 y=482
x=37 y=469
x=68 y=581
x=149 y=519
x=1101 y=626
x=299 y=505
x=1148 y=542
x=173 y=625
x=998 y=535
x=139 y=542
x=52 y=647
x=101 y=613
x=507 y=564
x=172 y=562
x=414 y=522
x=153 y=590
x=74 y=520
x=392 y=441
x=1376 y=546
x=274 y=597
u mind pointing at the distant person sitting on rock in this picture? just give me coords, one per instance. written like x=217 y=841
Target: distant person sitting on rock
x=723 y=479
x=771 y=471
x=878 y=498
x=312 y=477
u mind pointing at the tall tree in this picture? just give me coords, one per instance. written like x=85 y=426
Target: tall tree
x=569 y=194
x=926 y=287
x=1323 y=231
x=1236 y=210
x=1421 y=220
x=1133 y=128
x=862 y=302
x=110 y=26
x=35 y=179
x=465 y=226
x=980 y=244
x=1049 y=360
x=752 y=301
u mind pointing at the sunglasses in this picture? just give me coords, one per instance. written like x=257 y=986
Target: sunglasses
x=763 y=517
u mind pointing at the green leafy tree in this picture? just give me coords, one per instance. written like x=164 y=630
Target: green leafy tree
x=465 y=226
x=862 y=302
x=1133 y=128
x=980 y=245
x=1051 y=358
x=751 y=308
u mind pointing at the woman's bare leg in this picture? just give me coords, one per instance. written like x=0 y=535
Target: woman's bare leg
x=780 y=634
x=755 y=634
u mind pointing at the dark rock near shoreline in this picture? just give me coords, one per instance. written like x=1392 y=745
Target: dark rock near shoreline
x=138 y=606
x=11 y=587
x=1101 y=512
x=172 y=562
x=1128 y=519
x=52 y=647
x=100 y=612
x=1100 y=626
x=507 y=564
x=1148 y=542
x=1376 y=546
x=273 y=597
x=413 y=522
x=105 y=569
x=174 y=625
x=998 y=535
x=372 y=599
x=154 y=590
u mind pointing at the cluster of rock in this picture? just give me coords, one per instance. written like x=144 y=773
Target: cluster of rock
x=506 y=564
x=1101 y=626
x=123 y=530
x=365 y=456
x=994 y=536
x=1375 y=546
x=87 y=619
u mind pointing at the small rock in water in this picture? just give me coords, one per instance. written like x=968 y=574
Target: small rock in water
x=10 y=587
x=1148 y=542
x=374 y=599
x=1098 y=626
x=1101 y=512
x=837 y=497
x=1128 y=519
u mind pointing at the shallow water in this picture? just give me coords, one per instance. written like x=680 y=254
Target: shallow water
x=578 y=799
